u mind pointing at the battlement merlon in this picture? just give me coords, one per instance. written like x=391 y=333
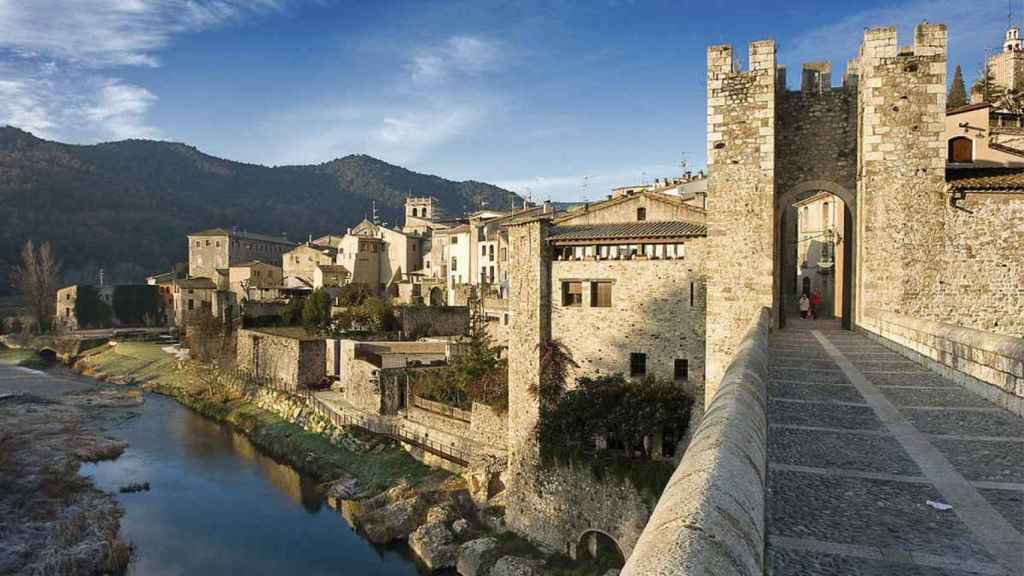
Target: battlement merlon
x=761 y=56
x=816 y=77
x=929 y=40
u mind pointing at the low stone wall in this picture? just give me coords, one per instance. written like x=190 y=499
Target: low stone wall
x=420 y=321
x=710 y=518
x=287 y=362
x=438 y=422
x=991 y=365
x=489 y=426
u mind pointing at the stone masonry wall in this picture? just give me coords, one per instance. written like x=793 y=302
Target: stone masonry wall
x=489 y=426
x=902 y=161
x=650 y=313
x=625 y=211
x=817 y=138
x=741 y=195
x=991 y=365
x=982 y=285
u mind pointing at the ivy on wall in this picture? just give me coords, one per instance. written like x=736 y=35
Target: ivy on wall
x=137 y=305
x=90 y=310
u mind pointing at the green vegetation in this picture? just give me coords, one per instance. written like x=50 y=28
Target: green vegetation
x=957 y=90
x=24 y=358
x=478 y=374
x=145 y=196
x=91 y=311
x=136 y=305
x=316 y=312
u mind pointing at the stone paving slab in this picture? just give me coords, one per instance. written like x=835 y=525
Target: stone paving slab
x=953 y=421
x=815 y=376
x=809 y=391
x=984 y=460
x=848 y=494
x=859 y=511
x=1009 y=503
x=826 y=415
x=864 y=453
x=930 y=380
x=952 y=397
x=788 y=561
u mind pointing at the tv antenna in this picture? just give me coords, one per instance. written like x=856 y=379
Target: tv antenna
x=586 y=188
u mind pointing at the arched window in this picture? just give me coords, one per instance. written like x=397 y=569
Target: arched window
x=961 y=149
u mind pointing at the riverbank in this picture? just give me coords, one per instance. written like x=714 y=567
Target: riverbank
x=373 y=482
x=53 y=520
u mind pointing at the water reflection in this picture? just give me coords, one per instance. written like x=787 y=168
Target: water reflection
x=218 y=506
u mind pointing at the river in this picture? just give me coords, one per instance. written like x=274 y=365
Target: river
x=218 y=506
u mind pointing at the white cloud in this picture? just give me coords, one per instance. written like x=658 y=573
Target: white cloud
x=973 y=27
x=120 y=109
x=20 y=107
x=458 y=55
x=55 y=57
x=589 y=186
x=101 y=33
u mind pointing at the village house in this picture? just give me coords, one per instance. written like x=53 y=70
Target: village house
x=302 y=261
x=978 y=134
x=83 y=306
x=218 y=249
x=194 y=296
x=622 y=285
x=330 y=276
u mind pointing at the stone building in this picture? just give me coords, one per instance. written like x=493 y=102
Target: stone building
x=218 y=249
x=195 y=296
x=819 y=266
x=1007 y=67
x=146 y=306
x=285 y=361
x=302 y=261
x=979 y=135
x=421 y=215
x=330 y=275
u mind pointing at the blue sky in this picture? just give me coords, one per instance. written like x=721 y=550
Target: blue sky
x=535 y=96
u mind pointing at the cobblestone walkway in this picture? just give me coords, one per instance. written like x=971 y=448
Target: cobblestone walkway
x=861 y=440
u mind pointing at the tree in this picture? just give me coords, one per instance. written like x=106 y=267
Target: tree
x=555 y=363
x=316 y=313
x=957 y=92
x=1011 y=101
x=36 y=280
x=986 y=86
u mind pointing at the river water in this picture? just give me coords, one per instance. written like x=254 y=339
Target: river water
x=218 y=506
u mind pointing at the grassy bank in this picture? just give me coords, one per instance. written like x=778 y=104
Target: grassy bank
x=190 y=384
x=24 y=358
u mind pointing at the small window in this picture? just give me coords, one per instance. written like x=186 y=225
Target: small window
x=191 y=304
x=637 y=364
x=454 y=240
x=207 y=242
x=483 y=250
x=600 y=294
x=572 y=294
x=682 y=369
x=641 y=214
x=692 y=291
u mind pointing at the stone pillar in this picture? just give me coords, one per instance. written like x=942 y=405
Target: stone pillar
x=741 y=191
x=901 y=165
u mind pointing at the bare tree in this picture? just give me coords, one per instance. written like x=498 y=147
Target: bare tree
x=36 y=280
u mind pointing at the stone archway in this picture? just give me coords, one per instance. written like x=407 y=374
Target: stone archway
x=785 y=227
x=601 y=549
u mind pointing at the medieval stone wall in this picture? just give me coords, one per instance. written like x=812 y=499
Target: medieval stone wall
x=489 y=426
x=817 y=139
x=741 y=196
x=901 y=192
x=651 y=313
x=982 y=285
x=283 y=361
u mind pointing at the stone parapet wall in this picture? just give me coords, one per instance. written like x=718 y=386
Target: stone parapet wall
x=438 y=422
x=989 y=364
x=710 y=518
x=489 y=426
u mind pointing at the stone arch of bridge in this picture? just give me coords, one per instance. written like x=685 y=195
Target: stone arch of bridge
x=785 y=223
x=600 y=547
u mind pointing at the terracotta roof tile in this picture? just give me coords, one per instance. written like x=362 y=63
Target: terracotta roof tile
x=998 y=178
x=638 y=230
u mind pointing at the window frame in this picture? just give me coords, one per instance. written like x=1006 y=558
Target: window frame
x=571 y=298
x=637 y=364
x=595 y=294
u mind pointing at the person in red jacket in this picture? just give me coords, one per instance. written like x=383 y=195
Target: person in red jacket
x=815 y=302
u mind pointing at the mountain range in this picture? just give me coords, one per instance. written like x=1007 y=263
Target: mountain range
x=126 y=206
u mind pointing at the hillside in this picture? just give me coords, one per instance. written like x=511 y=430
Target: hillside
x=126 y=206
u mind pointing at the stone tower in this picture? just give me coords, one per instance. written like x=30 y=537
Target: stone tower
x=741 y=192
x=420 y=213
x=901 y=169
x=876 y=142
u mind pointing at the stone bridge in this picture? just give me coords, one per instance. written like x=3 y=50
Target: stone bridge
x=826 y=452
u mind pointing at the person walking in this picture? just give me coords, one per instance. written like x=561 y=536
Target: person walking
x=815 y=303
x=805 y=306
